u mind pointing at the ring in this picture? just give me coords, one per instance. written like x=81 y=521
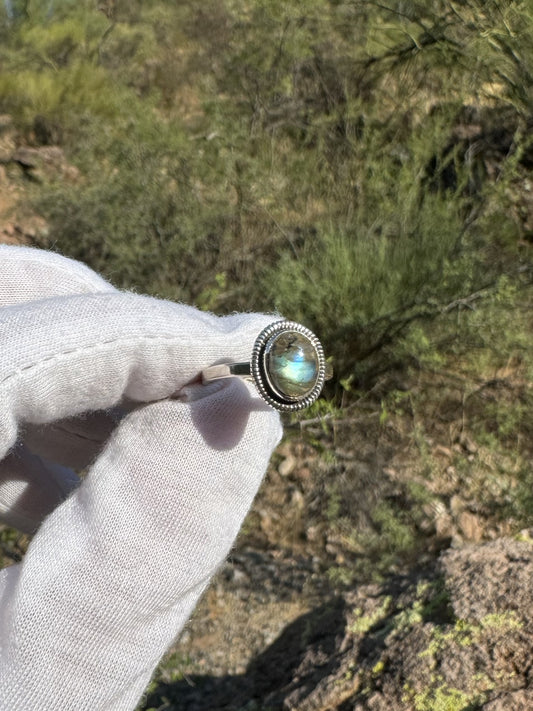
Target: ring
x=288 y=366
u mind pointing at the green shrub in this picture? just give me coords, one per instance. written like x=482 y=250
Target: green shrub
x=351 y=172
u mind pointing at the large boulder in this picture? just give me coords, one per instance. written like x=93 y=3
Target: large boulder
x=455 y=636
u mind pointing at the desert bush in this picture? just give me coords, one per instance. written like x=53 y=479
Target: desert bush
x=145 y=226
x=354 y=171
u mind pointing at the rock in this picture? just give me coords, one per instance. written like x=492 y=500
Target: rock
x=297 y=499
x=457 y=635
x=456 y=505
x=444 y=525
x=287 y=465
x=471 y=526
x=469 y=444
x=44 y=162
x=8 y=138
x=490 y=578
x=444 y=451
x=521 y=700
x=314 y=534
x=7 y=147
x=26 y=231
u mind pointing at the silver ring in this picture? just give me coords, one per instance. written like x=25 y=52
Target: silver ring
x=288 y=366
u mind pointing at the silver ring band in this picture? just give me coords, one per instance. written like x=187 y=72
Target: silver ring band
x=287 y=366
x=227 y=370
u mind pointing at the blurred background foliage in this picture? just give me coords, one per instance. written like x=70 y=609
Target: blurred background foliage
x=360 y=166
x=351 y=164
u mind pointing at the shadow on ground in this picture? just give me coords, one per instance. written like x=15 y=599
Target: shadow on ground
x=303 y=655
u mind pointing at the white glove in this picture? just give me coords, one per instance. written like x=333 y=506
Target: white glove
x=93 y=376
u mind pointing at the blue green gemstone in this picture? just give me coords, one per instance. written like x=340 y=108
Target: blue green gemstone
x=292 y=364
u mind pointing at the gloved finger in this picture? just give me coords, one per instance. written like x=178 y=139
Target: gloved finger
x=38 y=474
x=139 y=540
x=28 y=274
x=68 y=355
x=73 y=442
x=30 y=488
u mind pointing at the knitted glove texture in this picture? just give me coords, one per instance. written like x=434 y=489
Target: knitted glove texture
x=103 y=381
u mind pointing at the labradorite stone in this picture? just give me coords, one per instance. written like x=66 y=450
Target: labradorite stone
x=292 y=364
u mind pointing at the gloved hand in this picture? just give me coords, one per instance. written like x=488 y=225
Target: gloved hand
x=93 y=377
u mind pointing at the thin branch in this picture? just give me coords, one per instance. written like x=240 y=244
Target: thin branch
x=397 y=323
x=398 y=13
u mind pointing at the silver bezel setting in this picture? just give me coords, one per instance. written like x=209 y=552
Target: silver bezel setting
x=261 y=377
